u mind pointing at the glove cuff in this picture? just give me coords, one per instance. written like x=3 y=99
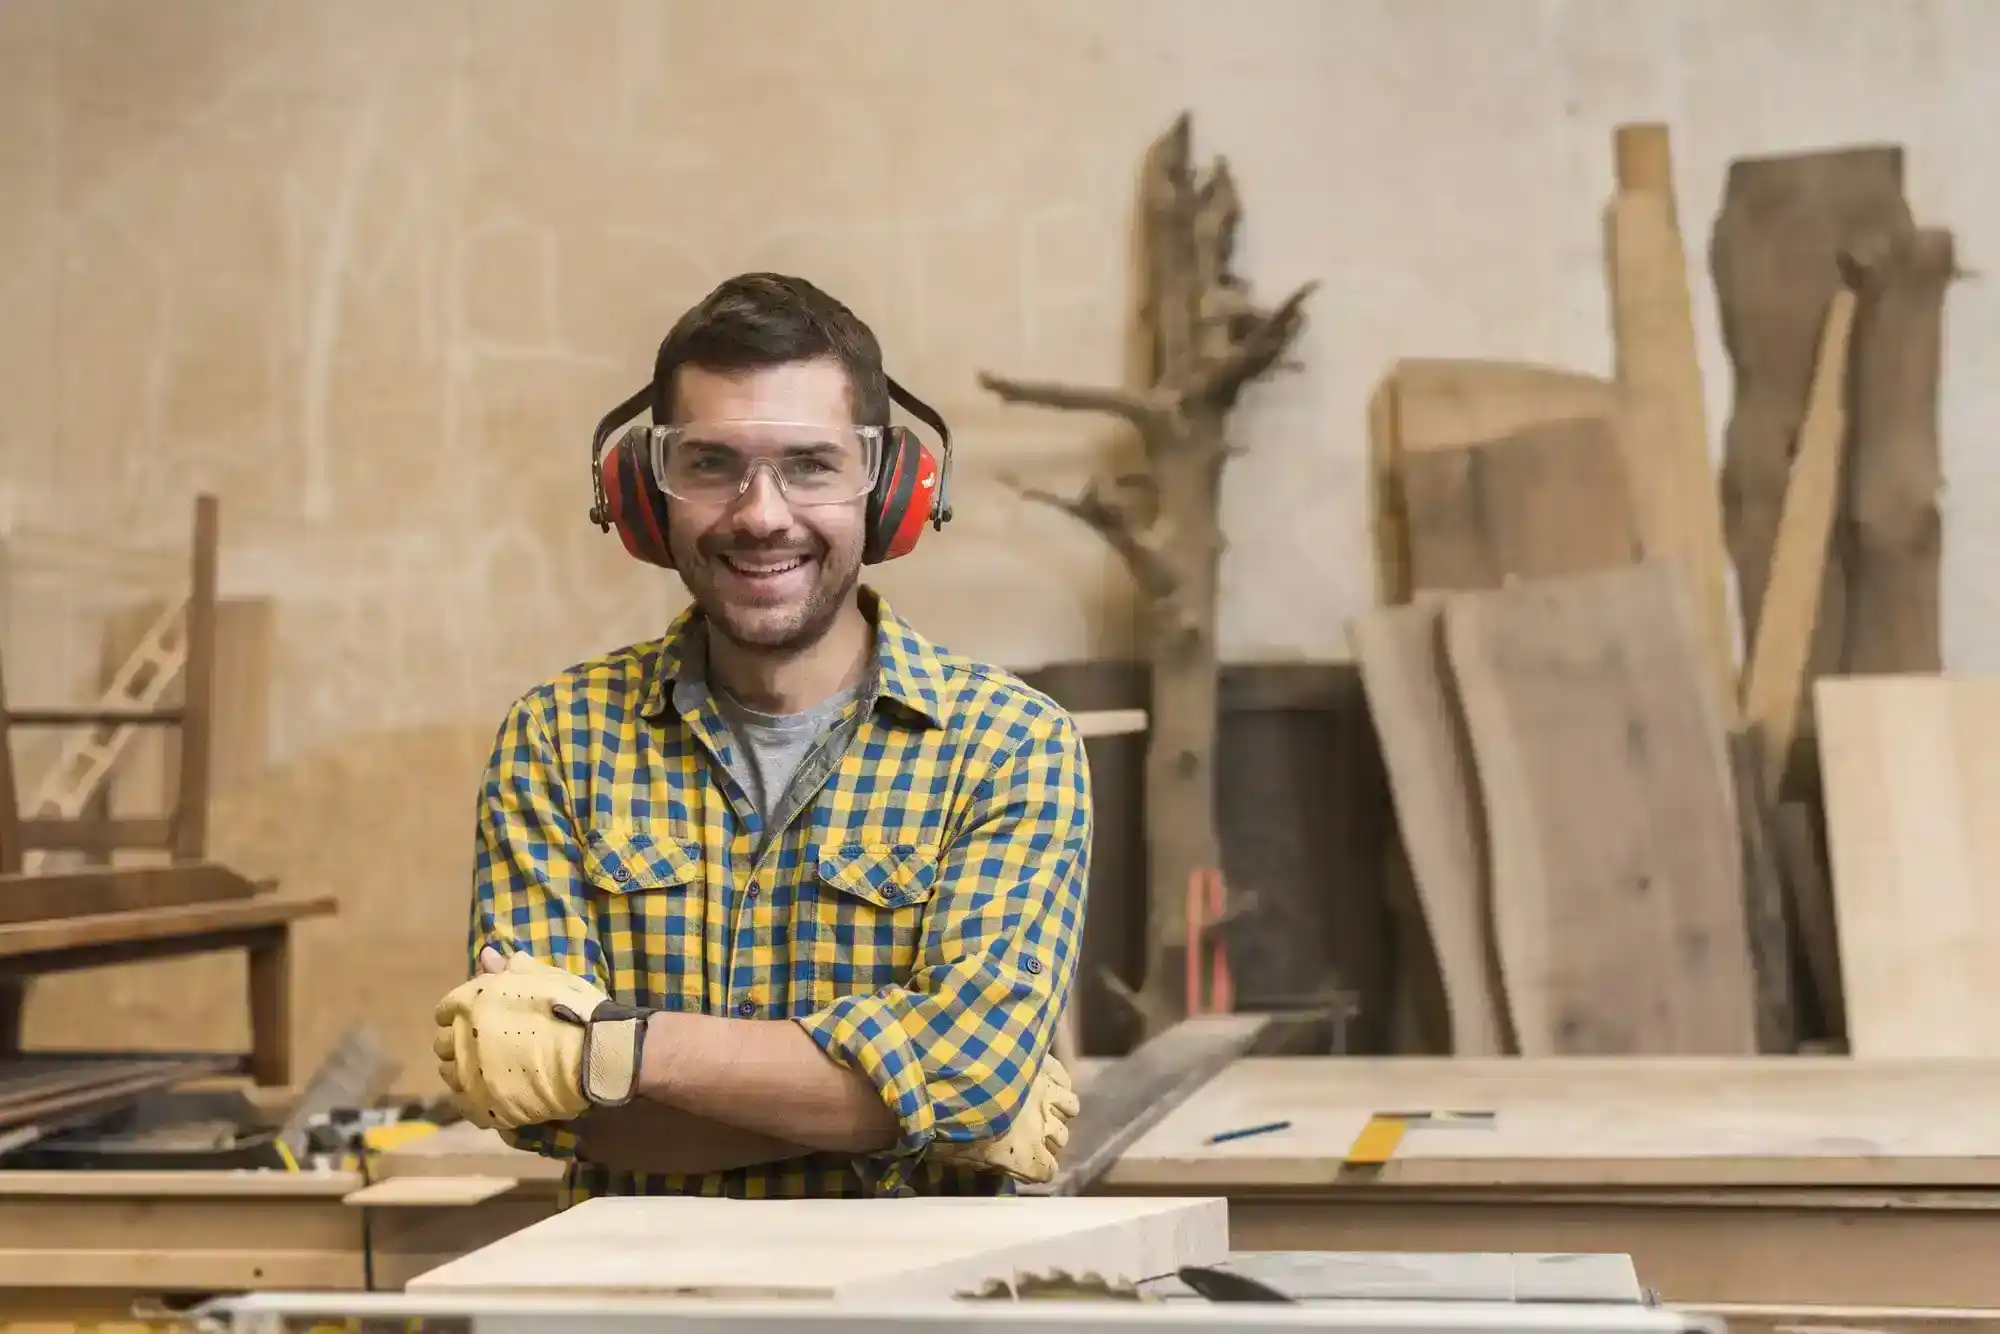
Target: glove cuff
x=614 y=1042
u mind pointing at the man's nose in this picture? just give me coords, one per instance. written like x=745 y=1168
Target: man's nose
x=761 y=509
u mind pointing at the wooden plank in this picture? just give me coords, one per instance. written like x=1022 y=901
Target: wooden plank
x=191 y=785
x=1443 y=403
x=1602 y=1122
x=1775 y=678
x=1109 y=722
x=837 y=1249
x=1554 y=497
x=57 y=833
x=58 y=894
x=19 y=940
x=1770 y=931
x=1882 y=1254
x=463 y=1149
x=1664 y=422
x=1616 y=871
x=1911 y=768
x=1415 y=707
x=431 y=1192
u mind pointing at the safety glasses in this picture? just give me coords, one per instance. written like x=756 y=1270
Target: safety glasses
x=712 y=462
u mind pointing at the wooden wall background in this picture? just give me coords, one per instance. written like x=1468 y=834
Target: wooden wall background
x=1306 y=825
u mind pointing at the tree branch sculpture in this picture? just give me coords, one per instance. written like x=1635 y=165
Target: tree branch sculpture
x=1206 y=341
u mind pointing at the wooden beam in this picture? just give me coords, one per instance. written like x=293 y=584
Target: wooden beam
x=59 y=833
x=57 y=894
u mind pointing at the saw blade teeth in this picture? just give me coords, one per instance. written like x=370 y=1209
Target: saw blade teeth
x=1056 y=1285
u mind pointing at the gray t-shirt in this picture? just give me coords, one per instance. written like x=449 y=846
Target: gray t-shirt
x=770 y=746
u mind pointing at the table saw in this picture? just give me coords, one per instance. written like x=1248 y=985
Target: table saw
x=1354 y=1292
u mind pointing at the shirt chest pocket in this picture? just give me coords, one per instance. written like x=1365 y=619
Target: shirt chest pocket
x=862 y=913
x=649 y=912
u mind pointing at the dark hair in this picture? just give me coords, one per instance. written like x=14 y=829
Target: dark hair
x=756 y=320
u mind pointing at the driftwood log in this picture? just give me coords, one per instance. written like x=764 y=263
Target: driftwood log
x=1775 y=254
x=1203 y=341
x=1891 y=537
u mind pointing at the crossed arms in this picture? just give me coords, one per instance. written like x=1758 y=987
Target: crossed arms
x=948 y=1055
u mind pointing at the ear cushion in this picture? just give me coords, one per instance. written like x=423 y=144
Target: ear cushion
x=634 y=503
x=900 y=505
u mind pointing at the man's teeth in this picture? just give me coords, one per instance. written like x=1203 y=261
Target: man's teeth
x=765 y=566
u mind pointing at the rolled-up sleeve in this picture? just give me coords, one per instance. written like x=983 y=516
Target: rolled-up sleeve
x=954 y=1051
x=527 y=880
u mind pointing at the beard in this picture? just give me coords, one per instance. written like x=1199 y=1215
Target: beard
x=778 y=595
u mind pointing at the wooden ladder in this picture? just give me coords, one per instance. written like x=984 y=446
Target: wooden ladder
x=65 y=813
x=93 y=749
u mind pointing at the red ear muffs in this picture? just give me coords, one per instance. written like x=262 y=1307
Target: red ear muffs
x=633 y=501
x=904 y=497
x=909 y=487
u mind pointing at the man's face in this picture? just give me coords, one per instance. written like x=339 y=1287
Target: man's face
x=766 y=572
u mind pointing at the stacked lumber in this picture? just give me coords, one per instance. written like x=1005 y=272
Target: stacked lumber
x=1636 y=818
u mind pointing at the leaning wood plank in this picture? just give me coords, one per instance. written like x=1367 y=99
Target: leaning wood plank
x=1665 y=422
x=1617 y=885
x=1442 y=403
x=911 y=1250
x=1894 y=474
x=1553 y=497
x=1774 y=253
x=1796 y=827
x=1764 y=897
x=60 y=894
x=1598 y=1121
x=1781 y=651
x=1400 y=652
x=1433 y=403
x=1911 y=768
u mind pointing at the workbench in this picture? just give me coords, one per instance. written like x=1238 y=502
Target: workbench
x=1767 y=1183
x=1775 y=1181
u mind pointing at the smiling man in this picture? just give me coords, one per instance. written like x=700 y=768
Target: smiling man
x=785 y=902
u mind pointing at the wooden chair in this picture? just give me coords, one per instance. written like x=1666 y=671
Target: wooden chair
x=103 y=915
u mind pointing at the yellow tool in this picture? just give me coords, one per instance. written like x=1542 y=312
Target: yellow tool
x=1378 y=1140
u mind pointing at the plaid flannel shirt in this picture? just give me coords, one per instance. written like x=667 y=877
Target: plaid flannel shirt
x=917 y=907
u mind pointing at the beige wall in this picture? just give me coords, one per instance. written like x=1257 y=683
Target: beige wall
x=371 y=270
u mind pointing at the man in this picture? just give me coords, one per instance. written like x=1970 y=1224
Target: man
x=787 y=902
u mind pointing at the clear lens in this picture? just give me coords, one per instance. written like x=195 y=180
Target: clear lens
x=712 y=462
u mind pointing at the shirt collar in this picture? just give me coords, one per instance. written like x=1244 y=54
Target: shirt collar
x=908 y=669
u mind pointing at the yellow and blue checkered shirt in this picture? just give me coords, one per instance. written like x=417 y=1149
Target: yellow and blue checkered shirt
x=917 y=906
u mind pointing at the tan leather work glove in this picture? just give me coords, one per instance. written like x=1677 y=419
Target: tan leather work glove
x=1029 y=1149
x=535 y=1043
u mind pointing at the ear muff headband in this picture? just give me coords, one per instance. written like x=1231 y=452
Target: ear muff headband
x=626 y=496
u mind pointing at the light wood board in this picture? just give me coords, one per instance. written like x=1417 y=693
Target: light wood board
x=1600 y=1122
x=1774 y=679
x=1400 y=651
x=1446 y=403
x=1553 y=497
x=1911 y=770
x=1616 y=870
x=1665 y=422
x=911 y=1249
